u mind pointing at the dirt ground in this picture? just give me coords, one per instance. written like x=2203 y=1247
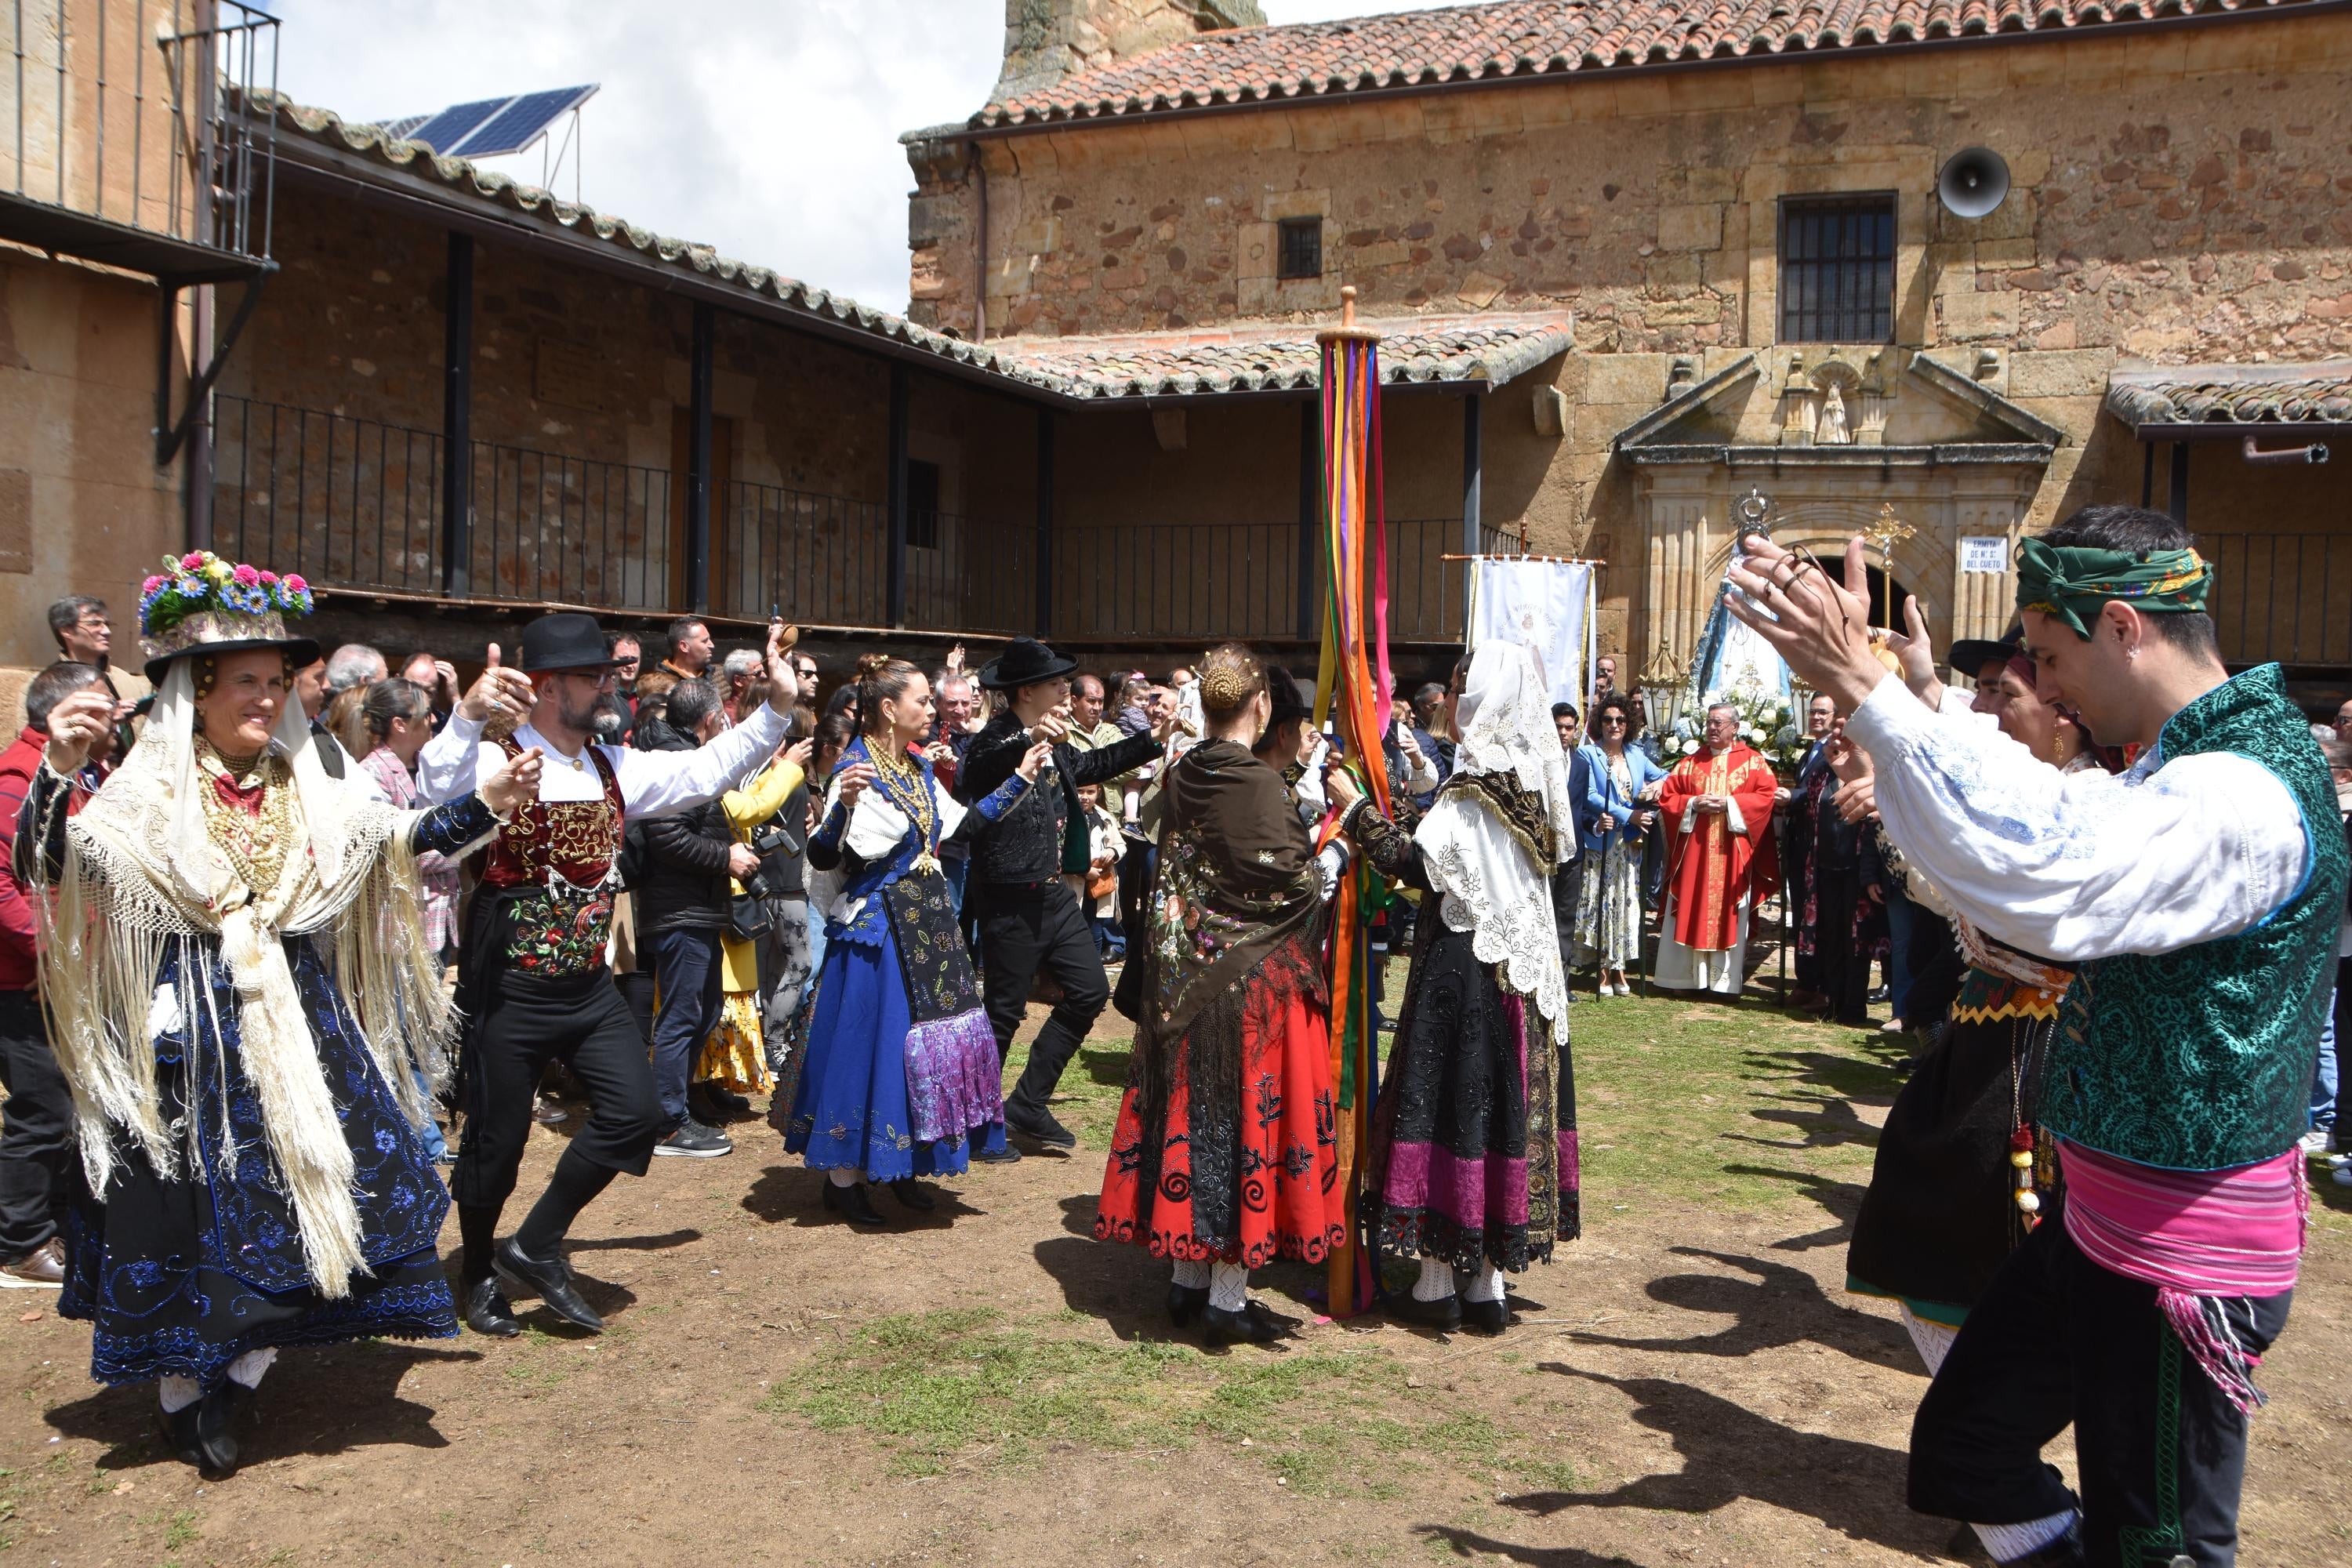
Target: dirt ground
x=1688 y=1384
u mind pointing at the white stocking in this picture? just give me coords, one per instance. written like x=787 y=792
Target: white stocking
x=178 y=1393
x=1228 y=1287
x=1932 y=1339
x=1486 y=1285
x=842 y=1178
x=1437 y=1281
x=247 y=1369
x=1193 y=1273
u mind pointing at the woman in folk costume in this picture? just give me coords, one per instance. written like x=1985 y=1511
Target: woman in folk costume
x=1472 y=1163
x=1225 y=1157
x=244 y=1008
x=734 y=1056
x=900 y=1065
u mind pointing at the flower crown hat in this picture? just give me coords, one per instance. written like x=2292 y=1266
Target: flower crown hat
x=200 y=604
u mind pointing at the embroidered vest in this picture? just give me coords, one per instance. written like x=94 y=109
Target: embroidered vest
x=554 y=862
x=2201 y=1059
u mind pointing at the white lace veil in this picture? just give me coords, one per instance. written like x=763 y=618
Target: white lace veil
x=1492 y=886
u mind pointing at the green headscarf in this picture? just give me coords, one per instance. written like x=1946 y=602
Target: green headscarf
x=2073 y=582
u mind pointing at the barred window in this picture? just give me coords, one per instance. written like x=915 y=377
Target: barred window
x=1302 y=248
x=1837 y=269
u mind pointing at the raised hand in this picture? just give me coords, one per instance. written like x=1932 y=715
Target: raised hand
x=1341 y=785
x=1819 y=627
x=500 y=693
x=515 y=781
x=1034 y=761
x=75 y=725
x=783 y=686
x=1051 y=730
x=1919 y=657
x=854 y=781
x=800 y=752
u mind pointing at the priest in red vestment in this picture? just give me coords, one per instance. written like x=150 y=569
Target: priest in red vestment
x=1718 y=805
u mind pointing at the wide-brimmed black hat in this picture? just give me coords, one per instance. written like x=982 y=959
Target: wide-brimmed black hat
x=566 y=641
x=1025 y=663
x=1970 y=655
x=1284 y=692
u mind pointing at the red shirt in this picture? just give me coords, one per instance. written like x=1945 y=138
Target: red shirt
x=18 y=968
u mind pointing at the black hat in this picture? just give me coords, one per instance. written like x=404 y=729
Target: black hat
x=1025 y=663
x=1284 y=692
x=1970 y=655
x=568 y=641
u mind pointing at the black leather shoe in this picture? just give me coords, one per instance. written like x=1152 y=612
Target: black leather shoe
x=550 y=1282
x=488 y=1311
x=852 y=1205
x=1186 y=1302
x=180 y=1430
x=1485 y=1317
x=912 y=1193
x=1008 y=1155
x=1253 y=1325
x=218 y=1414
x=1445 y=1314
x=1039 y=1125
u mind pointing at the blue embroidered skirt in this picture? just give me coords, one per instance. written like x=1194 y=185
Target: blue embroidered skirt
x=853 y=1111
x=179 y=1277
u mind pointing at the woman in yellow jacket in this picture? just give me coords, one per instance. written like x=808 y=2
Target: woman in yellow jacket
x=732 y=1057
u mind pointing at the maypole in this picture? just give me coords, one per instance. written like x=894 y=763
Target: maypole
x=1353 y=678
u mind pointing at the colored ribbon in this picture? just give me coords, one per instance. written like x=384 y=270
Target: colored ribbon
x=2072 y=582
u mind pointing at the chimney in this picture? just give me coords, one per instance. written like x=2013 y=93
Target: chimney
x=1046 y=40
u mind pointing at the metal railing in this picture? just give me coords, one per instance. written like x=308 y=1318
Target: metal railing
x=2284 y=598
x=574 y=531
x=821 y=559
x=145 y=113
x=1167 y=581
x=343 y=501
x=975 y=576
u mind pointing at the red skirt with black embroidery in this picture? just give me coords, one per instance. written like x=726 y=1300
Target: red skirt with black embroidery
x=1244 y=1176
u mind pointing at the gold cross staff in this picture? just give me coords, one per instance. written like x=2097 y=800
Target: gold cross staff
x=1887 y=532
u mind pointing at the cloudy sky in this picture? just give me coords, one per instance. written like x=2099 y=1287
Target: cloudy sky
x=767 y=128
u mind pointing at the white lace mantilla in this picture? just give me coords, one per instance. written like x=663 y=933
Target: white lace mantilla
x=1494 y=891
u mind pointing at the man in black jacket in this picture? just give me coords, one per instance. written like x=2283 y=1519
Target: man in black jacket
x=682 y=896
x=1028 y=918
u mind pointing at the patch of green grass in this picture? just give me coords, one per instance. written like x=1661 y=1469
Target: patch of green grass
x=180 y=1530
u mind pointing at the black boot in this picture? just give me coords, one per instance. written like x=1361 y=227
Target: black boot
x=1445 y=1314
x=912 y=1194
x=551 y=1280
x=852 y=1205
x=488 y=1311
x=1485 y=1317
x=218 y=1414
x=1186 y=1302
x=1038 y=1122
x=1252 y=1325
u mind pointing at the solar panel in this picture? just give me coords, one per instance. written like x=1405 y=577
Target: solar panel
x=522 y=121
x=404 y=126
x=445 y=130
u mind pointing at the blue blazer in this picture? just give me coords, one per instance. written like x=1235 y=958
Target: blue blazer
x=1606 y=808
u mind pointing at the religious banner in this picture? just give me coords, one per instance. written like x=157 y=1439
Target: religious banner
x=1542 y=601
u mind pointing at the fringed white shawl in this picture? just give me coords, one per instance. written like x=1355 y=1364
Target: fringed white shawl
x=1492 y=886
x=140 y=871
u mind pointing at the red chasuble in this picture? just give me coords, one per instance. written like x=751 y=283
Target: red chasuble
x=1711 y=870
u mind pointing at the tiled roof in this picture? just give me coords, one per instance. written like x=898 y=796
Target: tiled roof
x=1492 y=349
x=370 y=142
x=1489 y=349
x=2233 y=394
x=1506 y=38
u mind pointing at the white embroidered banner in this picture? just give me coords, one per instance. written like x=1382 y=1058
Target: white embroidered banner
x=1545 y=605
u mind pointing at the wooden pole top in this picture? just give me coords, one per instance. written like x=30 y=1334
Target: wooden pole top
x=1347 y=332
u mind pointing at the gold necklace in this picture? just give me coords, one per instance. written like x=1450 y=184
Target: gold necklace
x=903 y=782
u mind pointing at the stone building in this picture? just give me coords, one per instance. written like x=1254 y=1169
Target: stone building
x=1737 y=214
x=1631 y=273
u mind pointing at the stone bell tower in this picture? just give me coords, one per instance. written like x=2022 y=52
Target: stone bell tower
x=1045 y=40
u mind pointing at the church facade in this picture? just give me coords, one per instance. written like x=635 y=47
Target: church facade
x=1733 y=230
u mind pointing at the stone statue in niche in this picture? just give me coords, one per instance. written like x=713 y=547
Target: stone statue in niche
x=1829 y=429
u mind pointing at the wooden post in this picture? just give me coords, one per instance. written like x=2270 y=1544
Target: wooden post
x=1311 y=517
x=698 y=458
x=458 y=421
x=2176 y=500
x=1044 y=522
x=895 y=578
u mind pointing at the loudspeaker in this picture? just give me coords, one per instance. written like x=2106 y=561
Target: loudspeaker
x=1973 y=182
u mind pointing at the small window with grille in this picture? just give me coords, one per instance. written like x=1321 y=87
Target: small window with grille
x=922 y=505
x=1302 y=248
x=1837 y=268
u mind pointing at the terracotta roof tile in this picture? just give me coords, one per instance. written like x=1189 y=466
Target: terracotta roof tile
x=1489 y=349
x=1505 y=39
x=2317 y=393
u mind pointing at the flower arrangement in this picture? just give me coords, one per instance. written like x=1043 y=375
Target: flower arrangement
x=1767 y=722
x=201 y=583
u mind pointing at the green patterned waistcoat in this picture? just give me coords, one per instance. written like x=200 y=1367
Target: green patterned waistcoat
x=2201 y=1059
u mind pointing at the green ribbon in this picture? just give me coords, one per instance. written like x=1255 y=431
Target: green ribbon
x=2072 y=582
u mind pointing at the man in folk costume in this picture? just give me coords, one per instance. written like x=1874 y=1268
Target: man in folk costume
x=1718 y=811
x=535 y=986
x=246 y=1012
x=2199 y=897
